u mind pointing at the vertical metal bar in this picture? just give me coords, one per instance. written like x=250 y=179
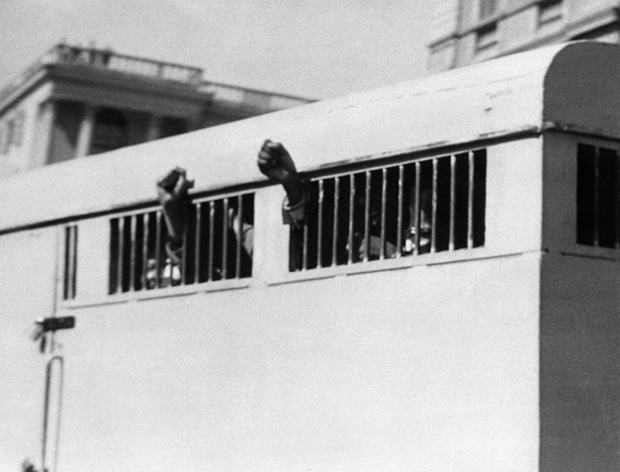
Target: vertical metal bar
x=470 y=202
x=452 y=200
x=67 y=262
x=239 y=236
x=46 y=410
x=335 y=228
x=183 y=268
x=351 y=216
x=158 y=248
x=133 y=223
x=121 y=250
x=145 y=247
x=65 y=287
x=399 y=220
x=70 y=293
x=595 y=210
x=304 y=253
x=61 y=383
x=617 y=204
x=225 y=240
x=74 y=262
x=45 y=415
x=367 y=216
x=211 y=238
x=319 y=243
x=197 y=242
x=383 y=206
x=434 y=207
x=416 y=209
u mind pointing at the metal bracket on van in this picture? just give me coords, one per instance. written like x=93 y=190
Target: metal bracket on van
x=46 y=325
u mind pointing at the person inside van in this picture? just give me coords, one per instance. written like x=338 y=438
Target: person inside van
x=180 y=223
x=276 y=163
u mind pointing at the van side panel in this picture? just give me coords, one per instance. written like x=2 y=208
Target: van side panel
x=429 y=368
x=27 y=287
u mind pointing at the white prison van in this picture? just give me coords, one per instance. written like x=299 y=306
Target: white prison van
x=482 y=332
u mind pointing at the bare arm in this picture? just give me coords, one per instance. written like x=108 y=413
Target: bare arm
x=172 y=192
x=275 y=162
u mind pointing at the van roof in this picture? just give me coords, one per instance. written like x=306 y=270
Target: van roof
x=573 y=85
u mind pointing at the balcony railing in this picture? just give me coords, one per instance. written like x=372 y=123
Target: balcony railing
x=107 y=59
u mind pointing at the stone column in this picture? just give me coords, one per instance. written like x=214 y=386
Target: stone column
x=44 y=133
x=154 y=130
x=86 y=132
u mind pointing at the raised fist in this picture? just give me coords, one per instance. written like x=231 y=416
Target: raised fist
x=173 y=186
x=276 y=163
x=172 y=192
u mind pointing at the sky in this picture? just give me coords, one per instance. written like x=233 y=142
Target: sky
x=311 y=48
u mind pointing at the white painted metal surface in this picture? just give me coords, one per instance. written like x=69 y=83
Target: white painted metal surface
x=498 y=358
x=485 y=100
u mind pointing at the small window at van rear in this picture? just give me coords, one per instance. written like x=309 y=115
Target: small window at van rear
x=70 y=262
x=218 y=245
x=422 y=206
x=598 y=196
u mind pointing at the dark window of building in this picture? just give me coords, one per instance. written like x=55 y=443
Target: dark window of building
x=425 y=206
x=218 y=245
x=550 y=11
x=487 y=8
x=70 y=262
x=173 y=126
x=598 y=196
x=110 y=131
x=65 y=131
x=486 y=38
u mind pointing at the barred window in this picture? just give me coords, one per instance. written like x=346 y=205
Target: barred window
x=70 y=262
x=218 y=245
x=598 y=196
x=425 y=206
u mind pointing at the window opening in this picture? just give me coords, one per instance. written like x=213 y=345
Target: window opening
x=598 y=196
x=426 y=206
x=172 y=126
x=549 y=12
x=70 y=262
x=111 y=131
x=486 y=38
x=218 y=245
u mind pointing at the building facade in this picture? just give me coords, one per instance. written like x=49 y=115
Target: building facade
x=467 y=31
x=76 y=101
